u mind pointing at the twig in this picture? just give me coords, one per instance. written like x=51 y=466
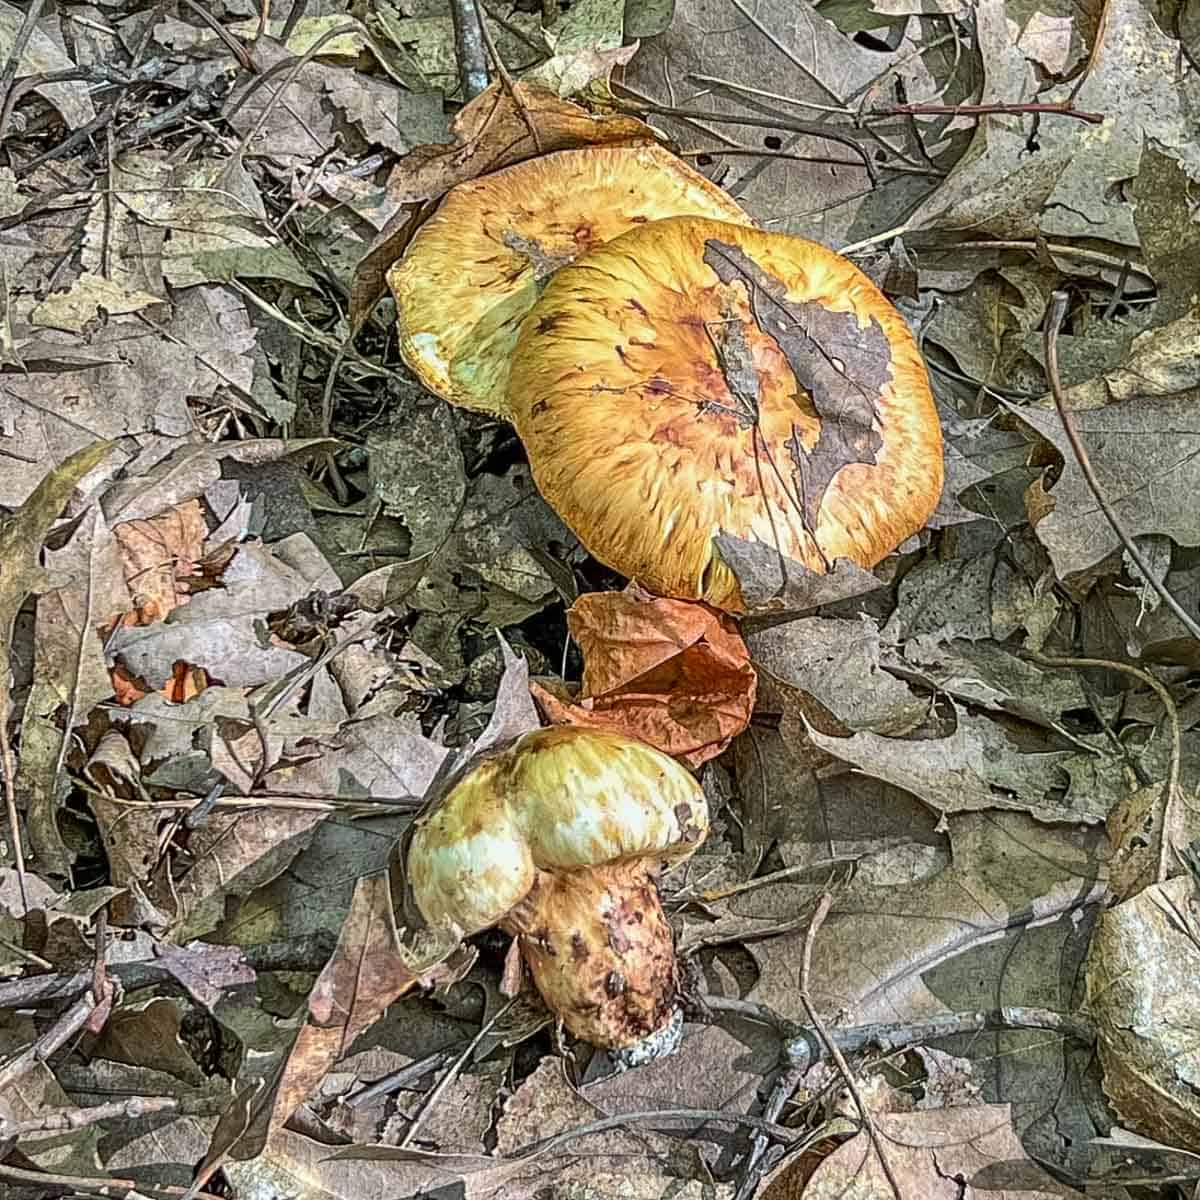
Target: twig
x=65 y=1028
x=1055 y=313
x=66 y=1120
x=697 y=1116
x=1063 y=109
x=8 y=769
x=439 y=1089
x=506 y=79
x=751 y=152
x=785 y=1085
x=1172 y=786
x=810 y=128
x=232 y=44
x=802 y=1046
x=864 y=1113
x=397 y=1079
x=515 y=31
x=100 y=1186
x=298 y=954
x=761 y=94
x=79 y=137
x=469 y=48
x=295 y=13
x=12 y=64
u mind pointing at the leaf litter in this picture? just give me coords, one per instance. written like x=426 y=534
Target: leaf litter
x=261 y=597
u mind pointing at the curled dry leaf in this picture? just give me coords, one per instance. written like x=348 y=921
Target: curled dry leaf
x=673 y=673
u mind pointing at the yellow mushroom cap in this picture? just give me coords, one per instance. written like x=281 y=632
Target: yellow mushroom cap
x=694 y=377
x=474 y=269
x=558 y=799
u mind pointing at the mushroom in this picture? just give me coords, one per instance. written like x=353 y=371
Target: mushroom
x=694 y=377
x=559 y=839
x=472 y=271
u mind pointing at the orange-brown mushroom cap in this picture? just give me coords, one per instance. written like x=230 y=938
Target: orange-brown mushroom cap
x=476 y=267
x=694 y=377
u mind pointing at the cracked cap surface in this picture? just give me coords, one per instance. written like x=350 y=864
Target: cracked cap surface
x=694 y=377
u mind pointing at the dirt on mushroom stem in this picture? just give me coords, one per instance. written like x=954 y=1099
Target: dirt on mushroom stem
x=601 y=952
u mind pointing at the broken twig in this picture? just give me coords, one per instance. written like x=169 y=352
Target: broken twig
x=1062 y=109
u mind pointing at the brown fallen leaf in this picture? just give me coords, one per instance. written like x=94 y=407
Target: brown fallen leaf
x=368 y=971
x=932 y=1154
x=674 y=673
x=494 y=130
x=158 y=555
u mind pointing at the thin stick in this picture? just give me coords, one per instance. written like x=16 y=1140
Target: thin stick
x=810 y=128
x=8 y=769
x=983 y=110
x=864 y=1113
x=65 y=1028
x=293 y=18
x=506 y=79
x=306 y=953
x=1172 y=788
x=802 y=1047
x=98 y=1186
x=698 y=1116
x=469 y=48
x=234 y=46
x=438 y=1090
x=66 y=1120
x=1054 y=318
x=750 y=152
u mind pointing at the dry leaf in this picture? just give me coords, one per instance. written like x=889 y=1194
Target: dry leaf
x=673 y=673
x=934 y=1155
x=159 y=555
x=1143 y=976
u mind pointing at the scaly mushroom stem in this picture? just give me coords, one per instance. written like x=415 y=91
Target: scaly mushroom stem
x=600 y=950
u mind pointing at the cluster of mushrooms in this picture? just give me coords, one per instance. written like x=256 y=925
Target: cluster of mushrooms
x=674 y=373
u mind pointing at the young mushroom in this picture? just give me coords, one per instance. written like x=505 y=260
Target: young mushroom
x=694 y=377
x=559 y=840
x=474 y=269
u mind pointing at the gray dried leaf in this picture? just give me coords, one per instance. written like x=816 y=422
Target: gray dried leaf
x=1144 y=453
x=949 y=598
x=387 y=115
x=838 y=663
x=976 y=768
x=1143 y=969
x=773 y=584
x=984 y=673
x=416 y=470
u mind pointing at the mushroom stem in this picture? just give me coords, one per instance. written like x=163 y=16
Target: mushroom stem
x=600 y=950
